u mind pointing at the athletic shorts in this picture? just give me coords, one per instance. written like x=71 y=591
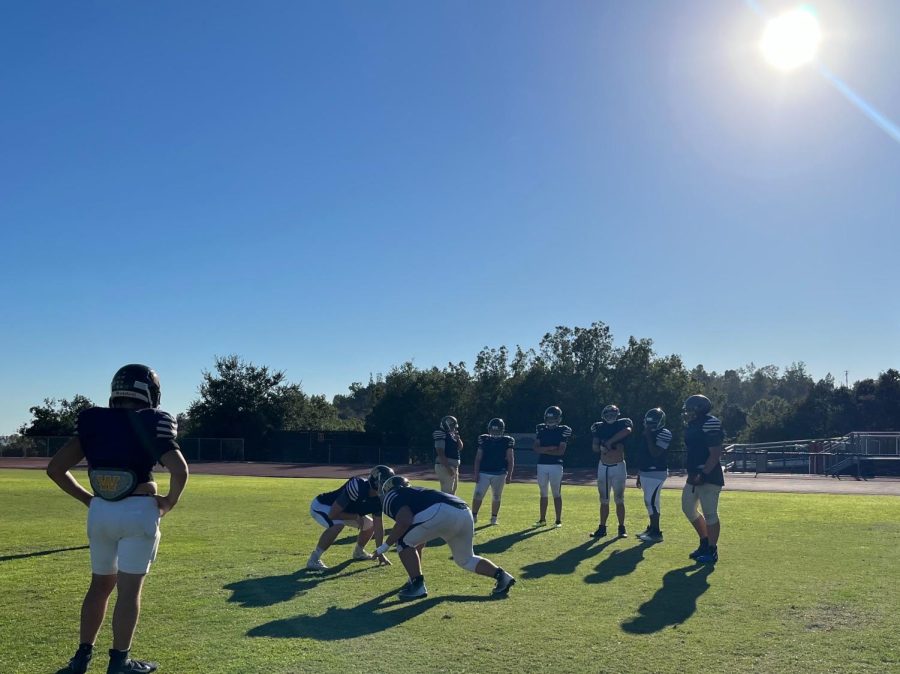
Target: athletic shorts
x=449 y=479
x=495 y=481
x=123 y=535
x=442 y=520
x=611 y=476
x=549 y=477
x=651 y=483
x=319 y=512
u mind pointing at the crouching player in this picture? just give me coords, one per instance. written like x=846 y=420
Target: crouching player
x=653 y=469
x=351 y=506
x=421 y=515
x=494 y=465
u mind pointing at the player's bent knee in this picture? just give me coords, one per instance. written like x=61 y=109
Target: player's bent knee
x=366 y=523
x=470 y=563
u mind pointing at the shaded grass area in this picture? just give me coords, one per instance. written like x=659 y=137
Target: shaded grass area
x=804 y=581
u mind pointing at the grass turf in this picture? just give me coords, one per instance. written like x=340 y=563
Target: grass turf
x=805 y=582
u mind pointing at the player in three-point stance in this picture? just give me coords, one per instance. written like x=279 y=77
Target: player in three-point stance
x=447 y=448
x=121 y=443
x=550 y=441
x=653 y=469
x=421 y=515
x=703 y=438
x=608 y=436
x=494 y=465
x=355 y=504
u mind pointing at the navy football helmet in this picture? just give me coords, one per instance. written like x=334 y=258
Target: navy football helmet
x=449 y=424
x=552 y=416
x=379 y=475
x=610 y=413
x=496 y=427
x=695 y=407
x=655 y=419
x=392 y=484
x=136 y=382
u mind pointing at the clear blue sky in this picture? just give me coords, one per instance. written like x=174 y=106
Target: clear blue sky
x=334 y=188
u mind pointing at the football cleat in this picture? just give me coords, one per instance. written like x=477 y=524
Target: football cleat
x=504 y=582
x=413 y=590
x=701 y=549
x=316 y=565
x=493 y=521
x=80 y=662
x=362 y=554
x=709 y=556
x=540 y=523
x=600 y=533
x=651 y=536
x=622 y=532
x=131 y=666
x=558 y=524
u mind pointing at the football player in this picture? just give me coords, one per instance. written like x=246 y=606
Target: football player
x=609 y=435
x=653 y=468
x=421 y=515
x=355 y=504
x=703 y=438
x=447 y=446
x=494 y=464
x=121 y=443
x=550 y=440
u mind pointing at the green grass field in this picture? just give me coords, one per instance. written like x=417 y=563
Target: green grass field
x=806 y=583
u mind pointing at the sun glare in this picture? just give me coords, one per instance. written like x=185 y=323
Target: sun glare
x=791 y=40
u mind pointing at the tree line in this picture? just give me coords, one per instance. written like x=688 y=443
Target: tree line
x=579 y=369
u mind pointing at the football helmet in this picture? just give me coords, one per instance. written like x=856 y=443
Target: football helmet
x=393 y=483
x=137 y=382
x=610 y=413
x=655 y=419
x=378 y=475
x=496 y=427
x=695 y=407
x=449 y=424
x=552 y=416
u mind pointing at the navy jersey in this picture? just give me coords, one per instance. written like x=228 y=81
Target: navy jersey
x=493 y=452
x=353 y=497
x=551 y=436
x=417 y=499
x=449 y=443
x=125 y=439
x=603 y=431
x=661 y=439
x=699 y=436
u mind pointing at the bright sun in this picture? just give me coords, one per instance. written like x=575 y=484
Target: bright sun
x=791 y=40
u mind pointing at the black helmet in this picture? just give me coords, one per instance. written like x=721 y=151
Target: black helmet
x=696 y=406
x=378 y=475
x=655 y=419
x=137 y=382
x=496 y=426
x=610 y=413
x=392 y=483
x=449 y=424
x=552 y=416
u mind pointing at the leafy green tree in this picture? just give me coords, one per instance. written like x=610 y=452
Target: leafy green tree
x=55 y=417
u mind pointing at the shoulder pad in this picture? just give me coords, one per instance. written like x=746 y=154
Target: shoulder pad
x=595 y=427
x=539 y=428
x=165 y=423
x=510 y=440
x=711 y=423
x=566 y=431
x=664 y=433
x=439 y=435
x=625 y=421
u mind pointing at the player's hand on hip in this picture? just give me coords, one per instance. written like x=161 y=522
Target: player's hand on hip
x=164 y=504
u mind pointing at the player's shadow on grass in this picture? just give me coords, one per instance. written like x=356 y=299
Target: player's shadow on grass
x=269 y=590
x=375 y=615
x=504 y=543
x=567 y=562
x=619 y=563
x=674 y=602
x=41 y=553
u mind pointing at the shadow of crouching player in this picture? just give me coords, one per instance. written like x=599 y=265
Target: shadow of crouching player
x=674 y=602
x=375 y=615
x=619 y=563
x=270 y=590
